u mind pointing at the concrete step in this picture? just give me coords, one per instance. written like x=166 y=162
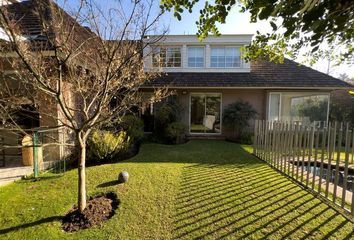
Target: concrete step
x=6 y=181
x=202 y=137
x=11 y=174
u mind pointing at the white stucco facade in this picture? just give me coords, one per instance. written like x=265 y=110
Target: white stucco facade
x=185 y=41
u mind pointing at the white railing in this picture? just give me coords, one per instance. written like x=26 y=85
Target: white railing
x=319 y=158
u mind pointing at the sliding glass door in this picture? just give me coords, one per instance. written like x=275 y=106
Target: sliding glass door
x=205 y=113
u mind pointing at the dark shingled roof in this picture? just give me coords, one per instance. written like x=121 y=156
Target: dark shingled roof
x=263 y=74
x=25 y=14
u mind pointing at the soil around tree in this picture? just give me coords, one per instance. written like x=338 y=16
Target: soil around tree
x=98 y=210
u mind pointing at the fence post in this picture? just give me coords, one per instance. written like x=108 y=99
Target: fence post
x=317 y=136
x=331 y=143
x=255 y=137
x=35 y=154
x=346 y=164
x=336 y=174
x=323 y=149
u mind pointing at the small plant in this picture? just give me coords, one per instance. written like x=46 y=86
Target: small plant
x=237 y=116
x=176 y=132
x=104 y=146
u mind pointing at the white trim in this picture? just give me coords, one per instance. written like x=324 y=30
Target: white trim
x=190 y=116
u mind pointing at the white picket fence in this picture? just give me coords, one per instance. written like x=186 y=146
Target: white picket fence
x=320 y=158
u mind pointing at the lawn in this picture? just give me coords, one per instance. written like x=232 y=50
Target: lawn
x=199 y=190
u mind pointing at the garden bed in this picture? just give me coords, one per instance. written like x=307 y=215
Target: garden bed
x=98 y=210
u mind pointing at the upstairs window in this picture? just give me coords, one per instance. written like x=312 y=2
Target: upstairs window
x=195 y=57
x=225 y=57
x=166 y=57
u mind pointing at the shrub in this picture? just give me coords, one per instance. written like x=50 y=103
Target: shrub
x=236 y=116
x=168 y=112
x=133 y=126
x=176 y=132
x=104 y=146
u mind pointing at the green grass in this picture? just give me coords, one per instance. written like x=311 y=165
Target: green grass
x=202 y=189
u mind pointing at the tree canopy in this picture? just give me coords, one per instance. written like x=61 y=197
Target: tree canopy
x=296 y=24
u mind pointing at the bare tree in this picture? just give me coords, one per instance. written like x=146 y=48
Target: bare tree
x=90 y=74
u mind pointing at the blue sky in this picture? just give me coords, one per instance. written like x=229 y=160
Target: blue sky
x=236 y=23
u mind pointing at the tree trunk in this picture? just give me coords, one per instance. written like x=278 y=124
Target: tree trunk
x=82 y=175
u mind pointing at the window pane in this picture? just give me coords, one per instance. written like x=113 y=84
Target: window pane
x=195 y=57
x=205 y=113
x=166 y=57
x=197 y=113
x=212 y=117
x=222 y=57
x=274 y=103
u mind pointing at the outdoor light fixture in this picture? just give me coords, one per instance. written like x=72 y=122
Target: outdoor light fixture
x=123 y=177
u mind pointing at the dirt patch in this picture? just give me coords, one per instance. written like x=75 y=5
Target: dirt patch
x=98 y=209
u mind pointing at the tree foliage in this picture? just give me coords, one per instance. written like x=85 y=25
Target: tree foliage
x=342 y=107
x=295 y=24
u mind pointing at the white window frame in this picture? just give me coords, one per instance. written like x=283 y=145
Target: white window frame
x=190 y=110
x=165 y=60
x=294 y=92
x=204 y=54
x=225 y=50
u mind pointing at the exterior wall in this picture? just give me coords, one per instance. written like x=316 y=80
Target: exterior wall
x=184 y=41
x=49 y=115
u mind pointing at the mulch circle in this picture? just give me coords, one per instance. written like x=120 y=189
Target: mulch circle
x=98 y=209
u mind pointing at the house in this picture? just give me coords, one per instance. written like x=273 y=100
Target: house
x=207 y=76
x=39 y=113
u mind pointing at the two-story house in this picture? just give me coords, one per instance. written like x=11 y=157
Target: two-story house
x=207 y=76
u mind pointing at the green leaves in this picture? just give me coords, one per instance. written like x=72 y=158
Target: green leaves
x=305 y=23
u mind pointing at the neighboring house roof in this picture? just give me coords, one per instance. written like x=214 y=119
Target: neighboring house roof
x=263 y=74
x=31 y=25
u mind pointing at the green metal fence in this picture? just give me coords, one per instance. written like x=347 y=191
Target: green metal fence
x=50 y=147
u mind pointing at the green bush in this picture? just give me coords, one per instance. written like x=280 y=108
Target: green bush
x=176 y=132
x=166 y=113
x=236 y=116
x=133 y=126
x=104 y=146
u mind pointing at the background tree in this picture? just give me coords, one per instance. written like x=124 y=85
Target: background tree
x=295 y=24
x=342 y=102
x=90 y=75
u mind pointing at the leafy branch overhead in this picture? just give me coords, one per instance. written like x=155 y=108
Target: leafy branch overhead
x=295 y=24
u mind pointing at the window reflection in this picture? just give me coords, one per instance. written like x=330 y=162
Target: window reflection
x=205 y=113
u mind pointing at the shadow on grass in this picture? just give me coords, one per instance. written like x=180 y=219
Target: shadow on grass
x=32 y=224
x=40 y=178
x=242 y=200
x=109 y=184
